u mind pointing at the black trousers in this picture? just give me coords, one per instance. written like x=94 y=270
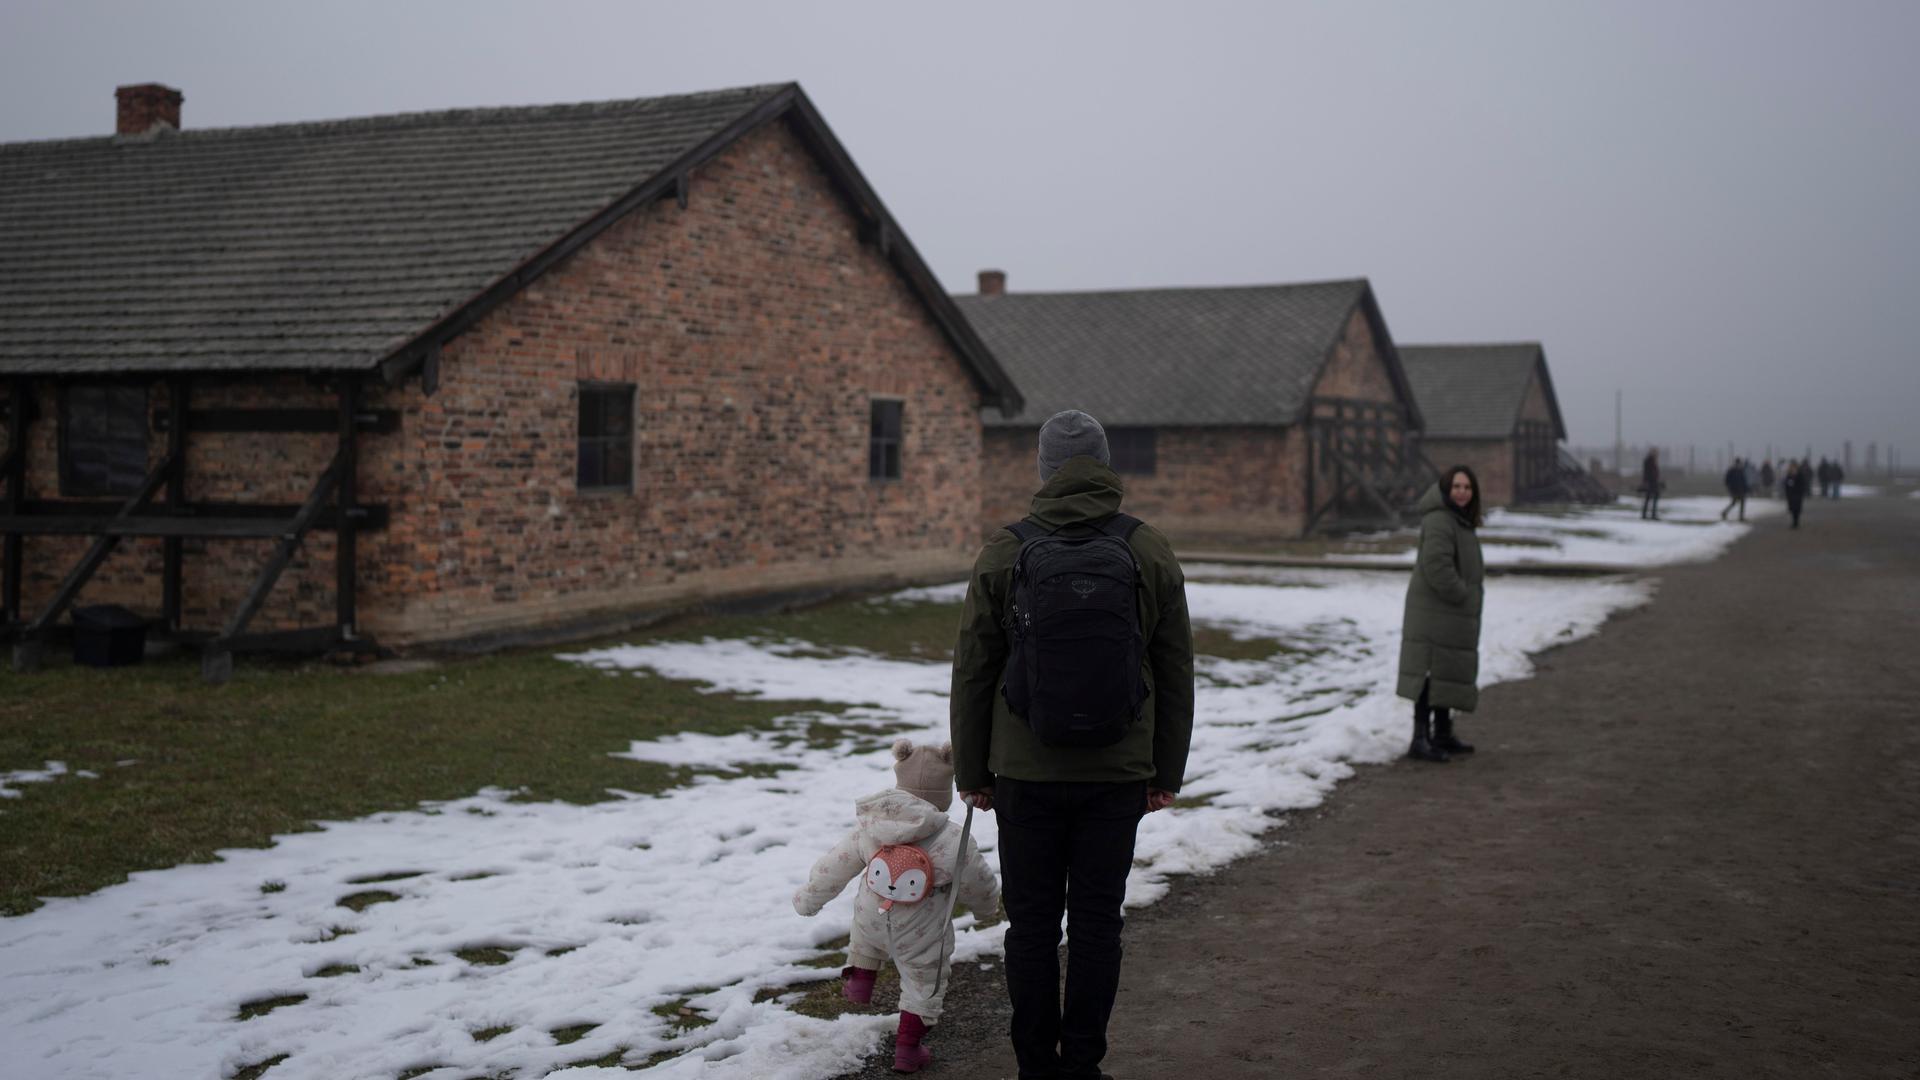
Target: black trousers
x=1065 y=848
x=1422 y=709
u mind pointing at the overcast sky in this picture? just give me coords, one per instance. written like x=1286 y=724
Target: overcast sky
x=1712 y=207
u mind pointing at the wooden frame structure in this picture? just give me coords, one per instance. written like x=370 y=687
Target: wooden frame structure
x=1375 y=458
x=331 y=504
x=1536 y=459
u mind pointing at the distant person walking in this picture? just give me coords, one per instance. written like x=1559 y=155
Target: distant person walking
x=1825 y=475
x=1649 y=485
x=1793 y=485
x=1736 y=480
x=1440 y=631
x=1766 y=479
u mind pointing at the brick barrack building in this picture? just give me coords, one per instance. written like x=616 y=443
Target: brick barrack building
x=478 y=375
x=1233 y=414
x=1493 y=409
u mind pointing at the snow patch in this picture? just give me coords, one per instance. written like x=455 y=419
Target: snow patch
x=42 y=775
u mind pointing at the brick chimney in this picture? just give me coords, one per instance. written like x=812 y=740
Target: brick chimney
x=144 y=106
x=993 y=283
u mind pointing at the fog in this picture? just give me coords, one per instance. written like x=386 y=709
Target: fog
x=1706 y=207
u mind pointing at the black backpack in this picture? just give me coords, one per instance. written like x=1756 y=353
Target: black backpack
x=1073 y=633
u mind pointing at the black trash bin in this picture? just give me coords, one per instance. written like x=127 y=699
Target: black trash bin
x=108 y=635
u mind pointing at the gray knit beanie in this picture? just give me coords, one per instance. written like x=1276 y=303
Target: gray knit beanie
x=925 y=771
x=1070 y=434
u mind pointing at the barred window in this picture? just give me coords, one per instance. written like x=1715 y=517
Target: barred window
x=103 y=438
x=883 y=442
x=1132 y=449
x=606 y=437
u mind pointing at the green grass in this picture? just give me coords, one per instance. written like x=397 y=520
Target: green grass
x=901 y=631
x=682 y=1015
x=1209 y=641
x=286 y=744
x=361 y=901
x=259 y=1068
x=251 y=1009
x=571 y=1034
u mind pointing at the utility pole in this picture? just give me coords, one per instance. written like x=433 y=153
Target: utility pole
x=1618 y=464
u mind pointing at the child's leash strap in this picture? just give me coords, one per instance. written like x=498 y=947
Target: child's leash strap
x=953 y=896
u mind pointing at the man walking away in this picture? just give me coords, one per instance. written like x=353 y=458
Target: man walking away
x=1068 y=747
x=1825 y=474
x=1766 y=479
x=1650 y=485
x=1736 y=479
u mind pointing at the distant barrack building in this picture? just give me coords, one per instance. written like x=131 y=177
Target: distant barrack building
x=469 y=376
x=1493 y=409
x=1234 y=414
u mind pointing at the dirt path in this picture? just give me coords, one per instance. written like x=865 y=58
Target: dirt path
x=1689 y=848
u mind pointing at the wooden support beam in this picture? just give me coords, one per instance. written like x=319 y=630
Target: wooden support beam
x=199 y=521
x=277 y=421
x=26 y=652
x=174 y=559
x=344 y=546
x=13 y=473
x=216 y=664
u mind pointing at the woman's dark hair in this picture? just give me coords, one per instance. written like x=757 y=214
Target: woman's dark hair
x=1471 y=512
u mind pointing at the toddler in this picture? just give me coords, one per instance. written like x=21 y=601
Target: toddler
x=908 y=853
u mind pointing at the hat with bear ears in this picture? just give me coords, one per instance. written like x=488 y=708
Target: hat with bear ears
x=925 y=771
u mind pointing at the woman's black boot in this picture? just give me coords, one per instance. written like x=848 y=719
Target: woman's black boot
x=1423 y=748
x=1443 y=738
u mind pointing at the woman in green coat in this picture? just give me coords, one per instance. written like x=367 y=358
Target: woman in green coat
x=1440 y=634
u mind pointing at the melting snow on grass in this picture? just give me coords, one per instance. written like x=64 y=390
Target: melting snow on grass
x=41 y=775
x=492 y=937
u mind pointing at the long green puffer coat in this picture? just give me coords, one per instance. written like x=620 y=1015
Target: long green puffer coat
x=1440 y=633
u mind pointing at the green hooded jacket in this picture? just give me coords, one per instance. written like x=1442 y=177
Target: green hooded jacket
x=1440 y=633
x=989 y=740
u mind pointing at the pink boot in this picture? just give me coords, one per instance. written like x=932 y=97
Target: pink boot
x=859 y=985
x=908 y=1054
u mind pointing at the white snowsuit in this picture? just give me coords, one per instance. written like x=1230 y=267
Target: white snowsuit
x=918 y=936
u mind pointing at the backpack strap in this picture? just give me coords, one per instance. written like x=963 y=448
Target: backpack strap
x=1120 y=525
x=1024 y=530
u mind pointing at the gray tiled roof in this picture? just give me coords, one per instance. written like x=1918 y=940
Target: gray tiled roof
x=1475 y=391
x=306 y=246
x=1204 y=356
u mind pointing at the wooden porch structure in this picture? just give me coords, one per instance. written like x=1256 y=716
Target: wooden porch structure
x=1378 y=468
x=331 y=504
